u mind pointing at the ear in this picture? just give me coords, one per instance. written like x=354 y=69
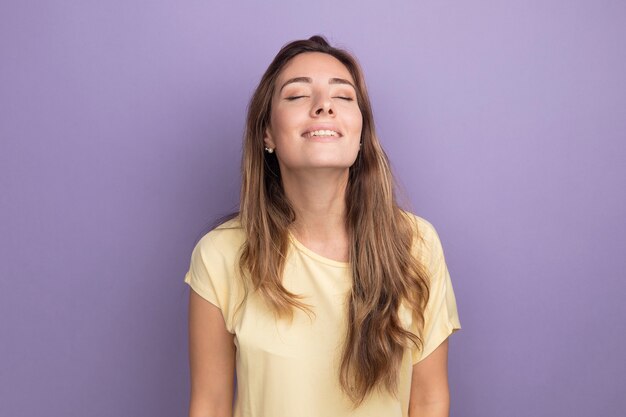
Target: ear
x=268 y=140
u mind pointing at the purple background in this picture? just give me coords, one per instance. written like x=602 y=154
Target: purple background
x=121 y=124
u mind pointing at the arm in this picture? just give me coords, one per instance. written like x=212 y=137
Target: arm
x=430 y=396
x=211 y=360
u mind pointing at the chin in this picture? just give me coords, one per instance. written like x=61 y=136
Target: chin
x=333 y=160
x=330 y=163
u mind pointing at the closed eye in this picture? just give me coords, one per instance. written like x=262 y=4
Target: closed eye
x=346 y=98
x=294 y=98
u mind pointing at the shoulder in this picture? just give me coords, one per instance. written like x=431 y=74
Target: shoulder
x=423 y=229
x=426 y=239
x=224 y=241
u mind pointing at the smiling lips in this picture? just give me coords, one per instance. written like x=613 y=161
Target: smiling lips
x=318 y=132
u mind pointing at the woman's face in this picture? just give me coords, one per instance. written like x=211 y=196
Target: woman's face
x=316 y=121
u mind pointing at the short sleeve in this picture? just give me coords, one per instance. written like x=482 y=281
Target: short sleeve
x=441 y=317
x=210 y=275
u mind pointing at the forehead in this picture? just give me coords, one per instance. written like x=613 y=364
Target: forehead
x=315 y=65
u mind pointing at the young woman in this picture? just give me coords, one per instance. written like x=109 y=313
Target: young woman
x=323 y=296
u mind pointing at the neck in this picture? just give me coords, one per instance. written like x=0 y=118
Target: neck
x=319 y=202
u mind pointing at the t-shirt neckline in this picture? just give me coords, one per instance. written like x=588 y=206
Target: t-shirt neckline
x=315 y=255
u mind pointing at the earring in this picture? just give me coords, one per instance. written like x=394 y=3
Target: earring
x=269 y=150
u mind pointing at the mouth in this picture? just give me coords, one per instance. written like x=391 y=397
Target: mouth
x=321 y=133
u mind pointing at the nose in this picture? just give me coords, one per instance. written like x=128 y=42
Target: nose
x=323 y=105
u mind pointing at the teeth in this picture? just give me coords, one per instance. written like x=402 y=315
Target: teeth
x=322 y=133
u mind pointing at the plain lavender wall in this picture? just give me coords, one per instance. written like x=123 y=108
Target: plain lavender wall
x=119 y=142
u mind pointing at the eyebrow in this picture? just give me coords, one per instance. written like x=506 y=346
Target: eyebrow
x=309 y=80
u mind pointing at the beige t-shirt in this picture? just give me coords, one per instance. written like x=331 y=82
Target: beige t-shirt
x=287 y=369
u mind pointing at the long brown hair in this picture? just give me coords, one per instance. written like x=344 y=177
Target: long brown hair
x=385 y=269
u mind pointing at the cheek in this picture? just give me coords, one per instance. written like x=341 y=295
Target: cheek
x=357 y=122
x=281 y=121
x=275 y=120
